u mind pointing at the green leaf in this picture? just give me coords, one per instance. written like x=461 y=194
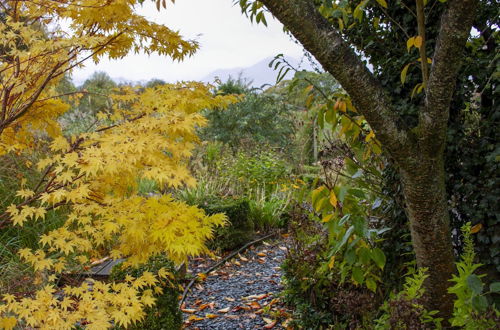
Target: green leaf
x=344 y=219
x=475 y=284
x=495 y=287
x=480 y=303
x=321 y=118
x=357 y=275
x=350 y=256
x=371 y=284
x=378 y=257
x=357 y=192
x=364 y=255
x=344 y=239
x=382 y=3
x=360 y=226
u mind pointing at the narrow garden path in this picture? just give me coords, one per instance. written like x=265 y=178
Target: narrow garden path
x=241 y=294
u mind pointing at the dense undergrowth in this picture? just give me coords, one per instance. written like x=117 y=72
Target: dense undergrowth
x=350 y=263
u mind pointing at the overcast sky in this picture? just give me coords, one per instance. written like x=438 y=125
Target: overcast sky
x=227 y=40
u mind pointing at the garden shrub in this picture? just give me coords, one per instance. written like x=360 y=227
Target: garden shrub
x=165 y=314
x=240 y=228
x=317 y=296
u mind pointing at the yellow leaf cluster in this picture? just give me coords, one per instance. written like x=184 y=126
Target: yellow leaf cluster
x=148 y=134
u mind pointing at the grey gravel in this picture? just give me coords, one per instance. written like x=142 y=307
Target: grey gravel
x=255 y=280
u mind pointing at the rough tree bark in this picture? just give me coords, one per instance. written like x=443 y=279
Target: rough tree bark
x=418 y=152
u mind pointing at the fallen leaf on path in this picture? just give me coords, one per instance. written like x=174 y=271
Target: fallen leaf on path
x=232 y=317
x=261 y=254
x=255 y=305
x=202 y=276
x=229 y=299
x=257 y=296
x=223 y=310
x=266 y=244
x=211 y=316
x=270 y=325
x=188 y=310
x=194 y=318
x=283 y=248
x=238 y=308
x=272 y=302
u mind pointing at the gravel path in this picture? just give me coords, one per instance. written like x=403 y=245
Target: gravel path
x=242 y=294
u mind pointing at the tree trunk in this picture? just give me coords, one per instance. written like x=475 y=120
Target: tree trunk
x=426 y=207
x=418 y=151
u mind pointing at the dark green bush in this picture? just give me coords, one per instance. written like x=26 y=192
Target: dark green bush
x=240 y=229
x=165 y=314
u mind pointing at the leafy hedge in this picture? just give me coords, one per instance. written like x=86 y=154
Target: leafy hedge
x=240 y=228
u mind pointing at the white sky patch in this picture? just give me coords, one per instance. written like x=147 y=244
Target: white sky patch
x=227 y=40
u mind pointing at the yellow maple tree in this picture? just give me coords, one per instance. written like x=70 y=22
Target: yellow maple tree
x=147 y=134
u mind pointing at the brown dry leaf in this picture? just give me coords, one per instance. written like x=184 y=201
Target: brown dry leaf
x=202 y=276
x=232 y=317
x=476 y=228
x=211 y=316
x=283 y=248
x=255 y=305
x=266 y=244
x=261 y=260
x=203 y=306
x=261 y=254
x=270 y=325
x=229 y=299
x=238 y=308
x=188 y=310
x=197 y=302
x=272 y=302
x=243 y=258
x=194 y=318
x=257 y=296
x=223 y=310
x=237 y=263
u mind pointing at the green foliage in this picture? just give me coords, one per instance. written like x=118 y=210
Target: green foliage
x=241 y=227
x=471 y=301
x=165 y=314
x=259 y=118
x=263 y=169
x=96 y=93
x=316 y=294
x=405 y=310
x=269 y=213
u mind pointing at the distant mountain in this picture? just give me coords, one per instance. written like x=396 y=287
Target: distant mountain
x=259 y=74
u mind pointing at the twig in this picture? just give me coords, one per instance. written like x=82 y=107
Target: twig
x=223 y=261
